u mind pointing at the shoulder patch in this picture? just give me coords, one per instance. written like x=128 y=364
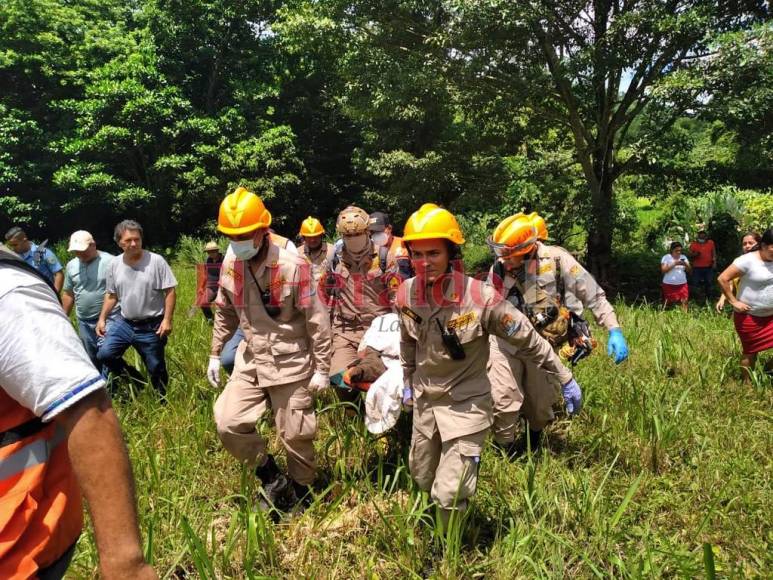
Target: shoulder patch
x=509 y=324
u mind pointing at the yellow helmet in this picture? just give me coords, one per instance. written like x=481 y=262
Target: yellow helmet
x=514 y=236
x=242 y=212
x=311 y=227
x=540 y=225
x=352 y=221
x=431 y=222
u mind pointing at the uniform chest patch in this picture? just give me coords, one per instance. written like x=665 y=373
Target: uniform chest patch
x=411 y=314
x=545 y=268
x=461 y=321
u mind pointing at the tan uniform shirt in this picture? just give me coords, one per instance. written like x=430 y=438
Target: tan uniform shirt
x=581 y=289
x=363 y=292
x=451 y=387
x=287 y=347
x=320 y=260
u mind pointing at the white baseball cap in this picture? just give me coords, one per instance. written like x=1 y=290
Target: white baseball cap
x=80 y=241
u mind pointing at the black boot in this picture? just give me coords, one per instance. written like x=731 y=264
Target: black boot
x=275 y=485
x=301 y=495
x=530 y=442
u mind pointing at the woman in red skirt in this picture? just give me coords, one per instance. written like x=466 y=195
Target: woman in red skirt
x=753 y=306
x=675 y=268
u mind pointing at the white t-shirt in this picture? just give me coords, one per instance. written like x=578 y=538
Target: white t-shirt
x=755 y=286
x=675 y=276
x=43 y=365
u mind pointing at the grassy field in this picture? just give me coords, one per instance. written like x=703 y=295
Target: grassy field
x=667 y=472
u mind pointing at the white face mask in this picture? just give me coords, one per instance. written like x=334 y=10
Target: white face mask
x=356 y=244
x=380 y=238
x=244 y=250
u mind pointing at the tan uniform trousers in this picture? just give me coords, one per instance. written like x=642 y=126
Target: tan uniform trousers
x=241 y=405
x=345 y=345
x=448 y=470
x=519 y=388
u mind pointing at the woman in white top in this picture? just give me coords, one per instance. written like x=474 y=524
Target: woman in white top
x=675 y=268
x=753 y=306
x=749 y=243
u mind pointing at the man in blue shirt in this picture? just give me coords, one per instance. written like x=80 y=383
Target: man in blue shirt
x=38 y=256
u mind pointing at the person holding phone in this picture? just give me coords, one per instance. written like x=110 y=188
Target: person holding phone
x=675 y=267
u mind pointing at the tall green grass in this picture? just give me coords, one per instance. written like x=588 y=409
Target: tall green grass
x=667 y=472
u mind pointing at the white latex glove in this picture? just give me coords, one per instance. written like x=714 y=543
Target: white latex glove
x=213 y=371
x=319 y=381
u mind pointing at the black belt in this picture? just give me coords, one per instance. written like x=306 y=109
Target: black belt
x=143 y=321
x=21 y=432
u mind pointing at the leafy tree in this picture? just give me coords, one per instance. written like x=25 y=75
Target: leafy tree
x=594 y=68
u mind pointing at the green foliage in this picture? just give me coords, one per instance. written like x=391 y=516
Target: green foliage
x=154 y=110
x=757 y=212
x=726 y=213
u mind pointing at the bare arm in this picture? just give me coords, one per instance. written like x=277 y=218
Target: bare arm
x=95 y=441
x=107 y=307
x=58 y=281
x=170 y=299
x=725 y=280
x=68 y=300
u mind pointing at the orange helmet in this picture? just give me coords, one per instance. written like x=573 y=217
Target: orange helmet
x=431 y=222
x=514 y=236
x=540 y=225
x=242 y=212
x=352 y=221
x=311 y=227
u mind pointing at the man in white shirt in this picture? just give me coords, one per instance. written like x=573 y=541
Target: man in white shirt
x=58 y=432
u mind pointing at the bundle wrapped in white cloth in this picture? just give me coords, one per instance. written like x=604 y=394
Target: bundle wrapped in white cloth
x=384 y=398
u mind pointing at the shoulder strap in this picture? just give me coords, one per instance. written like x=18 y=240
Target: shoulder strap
x=560 y=285
x=336 y=259
x=383 y=257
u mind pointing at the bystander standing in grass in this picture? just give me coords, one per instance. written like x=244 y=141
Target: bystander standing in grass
x=675 y=267
x=703 y=253
x=209 y=280
x=753 y=306
x=143 y=284
x=748 y=243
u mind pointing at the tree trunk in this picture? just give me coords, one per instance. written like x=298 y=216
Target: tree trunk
x=599 y=255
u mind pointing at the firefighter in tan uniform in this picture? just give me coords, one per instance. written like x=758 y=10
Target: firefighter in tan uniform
x=446 y=319
x=552 y=288
x=315 y=250
x=380 y=228
x=266 y=291
x=357 y=288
